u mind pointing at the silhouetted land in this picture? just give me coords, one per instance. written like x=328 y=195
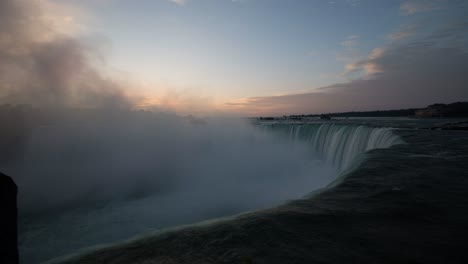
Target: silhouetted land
x=458 y=109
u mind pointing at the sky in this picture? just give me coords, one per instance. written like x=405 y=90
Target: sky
x=272 y=57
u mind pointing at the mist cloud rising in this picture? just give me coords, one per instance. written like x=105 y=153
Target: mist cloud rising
x=42 y=65
x=120 y=173
x=88 y=156
x=81 y=157
x=78 y=140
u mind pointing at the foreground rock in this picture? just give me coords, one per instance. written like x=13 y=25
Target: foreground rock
x=8 y=221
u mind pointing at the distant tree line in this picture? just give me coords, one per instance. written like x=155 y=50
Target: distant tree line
x=458 y=109
x=377 y=113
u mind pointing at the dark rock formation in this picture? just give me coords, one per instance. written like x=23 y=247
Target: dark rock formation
x=459 y=109
x=8 y=221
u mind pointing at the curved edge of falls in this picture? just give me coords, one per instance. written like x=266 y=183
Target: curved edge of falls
x=361 y=219
x=342 y=146
x=339 y=145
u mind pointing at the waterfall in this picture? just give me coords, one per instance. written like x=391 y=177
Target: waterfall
x=339 y=145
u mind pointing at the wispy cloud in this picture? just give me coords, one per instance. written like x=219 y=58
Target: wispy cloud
x=411 y=7
x=370 y=65
x=179 y=2
x=404 y=32
x=350 y=52
x=350 y=42
x=353 y=2
x=184 y=2
x=428 y=68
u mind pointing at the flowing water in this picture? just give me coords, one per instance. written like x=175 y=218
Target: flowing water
x=217 y=171
x=338 y=145
x=403 y=204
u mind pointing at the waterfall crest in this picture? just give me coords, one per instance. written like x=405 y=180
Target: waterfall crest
x=339 y=145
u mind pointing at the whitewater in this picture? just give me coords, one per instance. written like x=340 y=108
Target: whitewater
x=338 y=145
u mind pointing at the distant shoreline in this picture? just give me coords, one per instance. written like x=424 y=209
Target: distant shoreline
x=458 y=109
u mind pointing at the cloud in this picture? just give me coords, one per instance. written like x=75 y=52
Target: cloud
x=369 y=65
x=350 y=42
x=179 y=2
x=405 y=32
x=411 y=7
x=353 y=2
x=426 y=69
x=184 y=2
x=351 y=51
